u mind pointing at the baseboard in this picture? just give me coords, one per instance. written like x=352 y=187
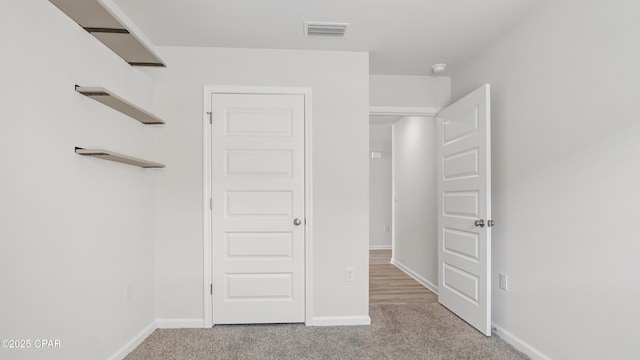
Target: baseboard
x=519 y=344
x=133 y=343
x=180 y=323
x=339 y=321
x=426 y=283
x=380 y=247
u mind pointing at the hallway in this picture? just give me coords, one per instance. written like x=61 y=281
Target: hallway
x=390 y=285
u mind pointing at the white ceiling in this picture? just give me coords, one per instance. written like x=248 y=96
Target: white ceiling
x=404 y=37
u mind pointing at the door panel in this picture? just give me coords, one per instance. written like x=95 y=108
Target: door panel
x=263 y=245
x=258 y=204
x=258 y=191
x=259 y=162
x=461 y=165
x=242 y=121
x=461 y=204
x=255 y=286
x=460 y=243
x=464 y=188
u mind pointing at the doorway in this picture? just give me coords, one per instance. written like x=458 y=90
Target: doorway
x=405 y=270
x=462 y=203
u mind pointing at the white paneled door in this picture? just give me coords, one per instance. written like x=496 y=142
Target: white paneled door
x=464 y=209
x=258 y=208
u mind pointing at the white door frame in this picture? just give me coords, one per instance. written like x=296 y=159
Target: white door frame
x=207 y=183
x=401 y=111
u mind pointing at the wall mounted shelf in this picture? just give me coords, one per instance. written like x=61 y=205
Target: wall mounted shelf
x=107 y=23
x=112 y=156
x=115 y=102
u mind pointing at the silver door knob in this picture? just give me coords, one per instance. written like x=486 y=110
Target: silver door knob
x=479 y=223
x=490 y=223
x=297 y=222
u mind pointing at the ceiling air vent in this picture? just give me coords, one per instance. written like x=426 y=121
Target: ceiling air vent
x=324 y=29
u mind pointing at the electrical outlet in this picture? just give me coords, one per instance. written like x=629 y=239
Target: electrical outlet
x=128 y=292
x=502 y=281
x=348 y=274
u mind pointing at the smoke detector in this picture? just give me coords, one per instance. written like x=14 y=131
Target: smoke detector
x=324 y=29
x=438 y=68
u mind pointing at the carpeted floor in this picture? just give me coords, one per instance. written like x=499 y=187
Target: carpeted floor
x=412 y=331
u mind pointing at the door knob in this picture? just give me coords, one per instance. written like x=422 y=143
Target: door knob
x=297 y=221
x=490 y=223
x=479 y=223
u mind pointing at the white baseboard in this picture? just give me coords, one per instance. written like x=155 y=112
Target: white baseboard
x=426 y=283
x=133 y=343
x=339 y=321
x=380 y=247
x=519 y=344
x=180 y=323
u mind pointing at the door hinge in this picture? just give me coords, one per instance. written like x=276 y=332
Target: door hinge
x=211 y=288
x=210 y=203
x=210 y=117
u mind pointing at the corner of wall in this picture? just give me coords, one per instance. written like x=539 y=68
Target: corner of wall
x=518 y=343
x=134 y=342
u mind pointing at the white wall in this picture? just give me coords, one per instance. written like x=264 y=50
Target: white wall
x=74 y=230
x=415 y=229
x=566 y=199
x=380 y=175
x=339 y=82
x=409 y=91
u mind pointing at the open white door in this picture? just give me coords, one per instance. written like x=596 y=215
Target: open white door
x=464 y=209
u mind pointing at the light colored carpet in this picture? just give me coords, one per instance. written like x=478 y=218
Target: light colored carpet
x=411 y=331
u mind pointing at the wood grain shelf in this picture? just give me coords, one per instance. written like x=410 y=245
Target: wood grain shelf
x=109 y=25
x=113 y=101
x=112 y=156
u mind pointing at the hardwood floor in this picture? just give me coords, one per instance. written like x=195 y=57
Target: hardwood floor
x=390 y=285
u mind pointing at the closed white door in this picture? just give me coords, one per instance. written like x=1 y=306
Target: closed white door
x=258 y=208
x=464 y=209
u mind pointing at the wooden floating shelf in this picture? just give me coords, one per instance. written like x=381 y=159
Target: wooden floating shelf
x=115 y=102
x=104 y=24
x=112 y=156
